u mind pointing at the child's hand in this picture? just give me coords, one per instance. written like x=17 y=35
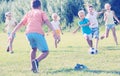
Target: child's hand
x=119 y=22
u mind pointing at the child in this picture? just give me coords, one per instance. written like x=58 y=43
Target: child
x=10 y=23
x=109 y=22
x=84 y=24
x=34 y=20
x=56 y=25
x=92 y=16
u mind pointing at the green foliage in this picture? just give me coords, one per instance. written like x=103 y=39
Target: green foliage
x=66 y=9
x=71 y=9
x=116 y=7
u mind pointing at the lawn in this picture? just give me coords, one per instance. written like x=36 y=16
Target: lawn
x=72 y=49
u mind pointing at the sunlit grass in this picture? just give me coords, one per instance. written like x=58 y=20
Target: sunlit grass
x=72 y=49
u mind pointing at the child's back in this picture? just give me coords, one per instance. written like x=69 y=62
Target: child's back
x=35 y=18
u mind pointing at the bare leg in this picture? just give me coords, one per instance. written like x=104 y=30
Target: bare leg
x=42 y=56
x=90 y=43
x=96 y=43
x=114 y=35
x=58 y=39
x=33 y=54
x=106 y=34
x=55 y=43
x=10 y=45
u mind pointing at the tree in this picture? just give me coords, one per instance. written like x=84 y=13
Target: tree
x=71 y=9
x=116 y=7
x=44 y=5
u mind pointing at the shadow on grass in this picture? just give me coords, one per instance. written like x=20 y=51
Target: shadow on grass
x=62 y=70
x=103 y=71
x=87 y=70
x=111 y=48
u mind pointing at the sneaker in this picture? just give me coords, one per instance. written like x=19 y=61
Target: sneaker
x=102 y=37
x=35 y=66
x=11 y=52
x=7 y=49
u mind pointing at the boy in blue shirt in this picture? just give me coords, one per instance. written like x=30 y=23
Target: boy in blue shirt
x=84 y=25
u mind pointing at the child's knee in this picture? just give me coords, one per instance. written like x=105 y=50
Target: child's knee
x=46 y=53
x=34 y=49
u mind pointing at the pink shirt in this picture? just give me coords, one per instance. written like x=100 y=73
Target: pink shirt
x=34 y=20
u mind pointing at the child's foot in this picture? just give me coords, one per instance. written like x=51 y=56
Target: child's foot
x=116 y=43
x=56 y=46
x=8 y=49
x=102 y=37
x=11 y=52
x=35 y=66
x=58 y=41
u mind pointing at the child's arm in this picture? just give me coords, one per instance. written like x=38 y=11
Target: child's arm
x=105 y=17
x=76 y=30
x=14 y=30
x=49 y=25
x=102 y=11
x=87 y=24
x=60 y=29
x=17 y=27
x=115 y=17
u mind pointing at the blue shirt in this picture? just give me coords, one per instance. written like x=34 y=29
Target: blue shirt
x=85 y=28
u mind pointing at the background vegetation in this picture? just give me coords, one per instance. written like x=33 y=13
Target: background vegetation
x=67 y=9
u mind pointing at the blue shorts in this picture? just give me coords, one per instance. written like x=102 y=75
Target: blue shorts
x=110 y=26
x=38 y=41
x=95 y=33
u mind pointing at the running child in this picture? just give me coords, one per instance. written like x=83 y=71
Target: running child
x=84 y=25
x=10 y=24
x=109 y=22
x=34 y=20
x=92 y=17
x=56 y=25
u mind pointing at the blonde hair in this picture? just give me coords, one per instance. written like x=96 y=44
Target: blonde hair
x=7 y=13
x=55 y=14
x=81 y=12
x=107 y=4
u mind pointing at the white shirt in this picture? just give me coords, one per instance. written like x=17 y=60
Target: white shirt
x=93 y=19
x=109 y=16
x=56 y=25
x=10 y=25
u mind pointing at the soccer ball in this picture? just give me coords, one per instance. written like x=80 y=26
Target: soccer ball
x=93 y=51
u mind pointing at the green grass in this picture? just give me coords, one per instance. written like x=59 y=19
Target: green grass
x=72 y=49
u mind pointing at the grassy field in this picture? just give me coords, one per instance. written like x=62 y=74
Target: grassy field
x=72 y=49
